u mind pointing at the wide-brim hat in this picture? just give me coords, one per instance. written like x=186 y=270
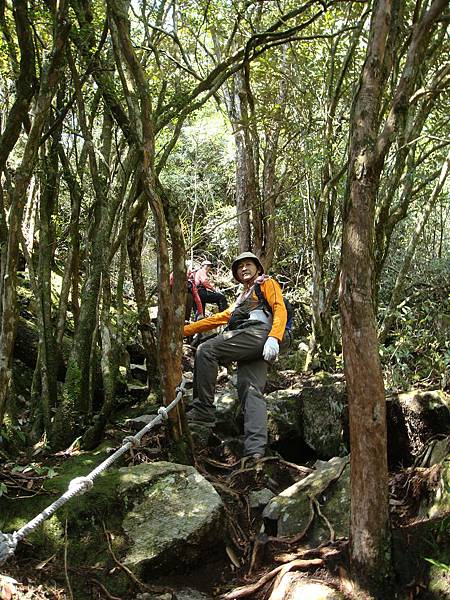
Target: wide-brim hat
x=206 y=262
x=242 y=256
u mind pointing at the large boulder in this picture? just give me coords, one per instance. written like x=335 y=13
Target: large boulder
x=414 y=418
x=172 y=514
x=437 y=502
x=324 y=417
x=284 y=408
x=294 y=511
x=313 y=415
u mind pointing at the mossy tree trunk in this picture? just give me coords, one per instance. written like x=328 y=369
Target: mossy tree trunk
x=48 y=85
x=70 y=275
x=135 y=241
x=24 y=69
x=76 y=402
x=106 y=330
x=46 y=365
x=171 y=306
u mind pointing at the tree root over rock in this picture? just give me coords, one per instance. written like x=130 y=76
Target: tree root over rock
x=140 y=584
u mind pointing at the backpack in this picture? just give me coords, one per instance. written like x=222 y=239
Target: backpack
x=286 y=342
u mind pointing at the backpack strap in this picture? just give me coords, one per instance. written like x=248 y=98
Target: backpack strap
x=266 y=306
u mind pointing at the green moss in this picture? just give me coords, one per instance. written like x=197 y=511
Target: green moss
x=24 y=293
x=179 y=452
x=64 y=425
x=74 y=379
x=49 y=537
x=86 y=516
x=81 y=512
x=336 y=510
x=439 y=582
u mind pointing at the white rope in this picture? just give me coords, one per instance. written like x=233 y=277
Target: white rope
x=80 y=485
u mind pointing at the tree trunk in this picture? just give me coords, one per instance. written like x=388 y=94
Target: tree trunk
x=369 y=529
x=81 y=368
x=324 y=204
x=171 y=348
x=135 y=242
x=47 y=348
x=48 y=356
x=233 y=101
x=170 y=307
x=49 y=81
x=270 y=185
x=3 y=241
x=72 y=262
x=107 y=331
x=26 y=81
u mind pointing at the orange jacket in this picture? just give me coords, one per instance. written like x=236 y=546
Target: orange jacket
x=271 y=292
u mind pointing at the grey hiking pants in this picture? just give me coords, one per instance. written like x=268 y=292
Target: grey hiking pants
x=244 y=346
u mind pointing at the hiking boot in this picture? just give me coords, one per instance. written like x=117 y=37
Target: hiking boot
x=252 y=461
x=194 y=417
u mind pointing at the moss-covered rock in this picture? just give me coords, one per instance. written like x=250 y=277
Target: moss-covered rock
x=156 y=513
x=284 y=409
x=292 y=512
x=335 y=509
x=172 y=514
x=426 y=414
x=439 y=581
x=324 y=417
x=437 y=501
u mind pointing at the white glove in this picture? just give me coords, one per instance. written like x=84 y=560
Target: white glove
x=271 y=349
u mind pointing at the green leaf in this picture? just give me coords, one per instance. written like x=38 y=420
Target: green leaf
x=438 y=564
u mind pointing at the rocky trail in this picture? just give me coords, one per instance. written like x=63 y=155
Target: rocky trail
x=153 y=529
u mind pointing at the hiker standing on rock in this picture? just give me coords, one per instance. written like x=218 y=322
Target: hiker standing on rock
x=251 y=338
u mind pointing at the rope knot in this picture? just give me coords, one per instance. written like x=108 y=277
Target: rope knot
x=131 y=439
x=162 y=410
x=8 y=545
x=81 y=484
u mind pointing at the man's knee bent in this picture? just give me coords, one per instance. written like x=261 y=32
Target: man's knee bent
x=205 y=351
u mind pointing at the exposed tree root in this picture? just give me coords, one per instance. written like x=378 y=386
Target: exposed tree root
x=252 y=588
x=280 y=587
x=300 y=535
x=322 y=516
x=325 y=551
x=104 y=590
